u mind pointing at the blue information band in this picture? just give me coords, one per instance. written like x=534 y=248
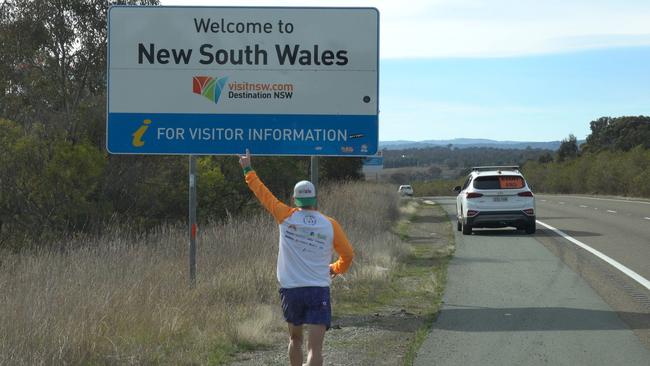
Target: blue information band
x=374 y=161
x=227 y=134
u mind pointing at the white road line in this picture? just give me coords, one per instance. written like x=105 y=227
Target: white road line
x=583 y=206
x=612 y=211
x=611 y=199
x=562 y=203
x=647 y=218
x=630 y=273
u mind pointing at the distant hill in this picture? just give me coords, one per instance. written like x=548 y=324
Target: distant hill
x=462 y=143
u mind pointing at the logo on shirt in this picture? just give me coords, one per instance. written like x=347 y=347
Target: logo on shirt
x=309 y=220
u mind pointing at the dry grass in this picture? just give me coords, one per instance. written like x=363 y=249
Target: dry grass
x=121 y=299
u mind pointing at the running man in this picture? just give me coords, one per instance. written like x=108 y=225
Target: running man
x=307 y=241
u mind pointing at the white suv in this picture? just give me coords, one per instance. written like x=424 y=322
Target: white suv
x=405 y=190
x=495 y=196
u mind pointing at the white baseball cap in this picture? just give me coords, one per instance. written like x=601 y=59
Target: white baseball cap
x=304 y=194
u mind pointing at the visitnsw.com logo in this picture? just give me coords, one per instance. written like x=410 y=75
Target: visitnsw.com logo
x=209 y=87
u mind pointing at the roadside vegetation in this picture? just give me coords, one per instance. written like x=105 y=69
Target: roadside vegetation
x=414 y=260
x=439 y=187
x=447 y=163
x=453 y=157
x=615 y=160
x=617 y=173
x=423 y=275
x=121 y=298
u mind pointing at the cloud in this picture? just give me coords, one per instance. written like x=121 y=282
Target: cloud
x=503 y=28
x=496 y=28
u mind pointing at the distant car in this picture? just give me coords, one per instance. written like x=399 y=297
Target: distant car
x=493 y=197
x=405 y=190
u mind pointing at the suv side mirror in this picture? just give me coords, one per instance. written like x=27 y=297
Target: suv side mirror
x=457 y=189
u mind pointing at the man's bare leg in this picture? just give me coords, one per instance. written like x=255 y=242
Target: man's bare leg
x=295 y=344
x=315 y=344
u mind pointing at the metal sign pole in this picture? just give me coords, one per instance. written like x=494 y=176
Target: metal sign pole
x=193 y=228
x=314 y=173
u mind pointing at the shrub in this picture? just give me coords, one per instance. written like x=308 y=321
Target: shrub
x=606 y=172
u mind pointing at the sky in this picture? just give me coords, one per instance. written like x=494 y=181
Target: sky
x=520 y=70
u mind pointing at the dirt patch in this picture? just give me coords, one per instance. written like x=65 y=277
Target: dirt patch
x=390 y=333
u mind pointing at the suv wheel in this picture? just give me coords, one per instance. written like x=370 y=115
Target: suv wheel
x=467 y=229
x=530 y=229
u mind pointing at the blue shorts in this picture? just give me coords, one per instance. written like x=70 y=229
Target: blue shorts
x=307 y=305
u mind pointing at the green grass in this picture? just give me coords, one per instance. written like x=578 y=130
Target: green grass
x=221 y=353
x=438 y=261
x=420 y=335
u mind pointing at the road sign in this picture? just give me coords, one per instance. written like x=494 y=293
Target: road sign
x=373 y=164
x=218 y=80
x=374 y=161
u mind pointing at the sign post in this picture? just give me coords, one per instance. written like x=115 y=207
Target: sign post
x=373 y=164
x=220 y=80
x=314 y=172
x=192 y=217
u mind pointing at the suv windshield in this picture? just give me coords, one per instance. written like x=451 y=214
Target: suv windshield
x=499 y=182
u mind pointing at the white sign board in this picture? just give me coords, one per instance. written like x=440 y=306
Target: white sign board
x=206 y=80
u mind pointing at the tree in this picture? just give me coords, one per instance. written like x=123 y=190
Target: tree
x=600 y=137
x=568 y=149
x=546 y=158
x=338 y=169
x=621 y=133
x=47 y=185
x=54 y=62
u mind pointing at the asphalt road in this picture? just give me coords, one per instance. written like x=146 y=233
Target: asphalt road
x=620 y=229
x=516 y=299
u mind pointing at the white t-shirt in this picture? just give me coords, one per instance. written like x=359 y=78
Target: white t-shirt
x=305 y=250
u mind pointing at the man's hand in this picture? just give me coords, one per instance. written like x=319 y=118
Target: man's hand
x=245 y=160
x=332 y=273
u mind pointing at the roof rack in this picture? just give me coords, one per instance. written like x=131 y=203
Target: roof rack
x=505 y=167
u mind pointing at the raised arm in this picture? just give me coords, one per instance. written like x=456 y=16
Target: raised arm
x=277 y=208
